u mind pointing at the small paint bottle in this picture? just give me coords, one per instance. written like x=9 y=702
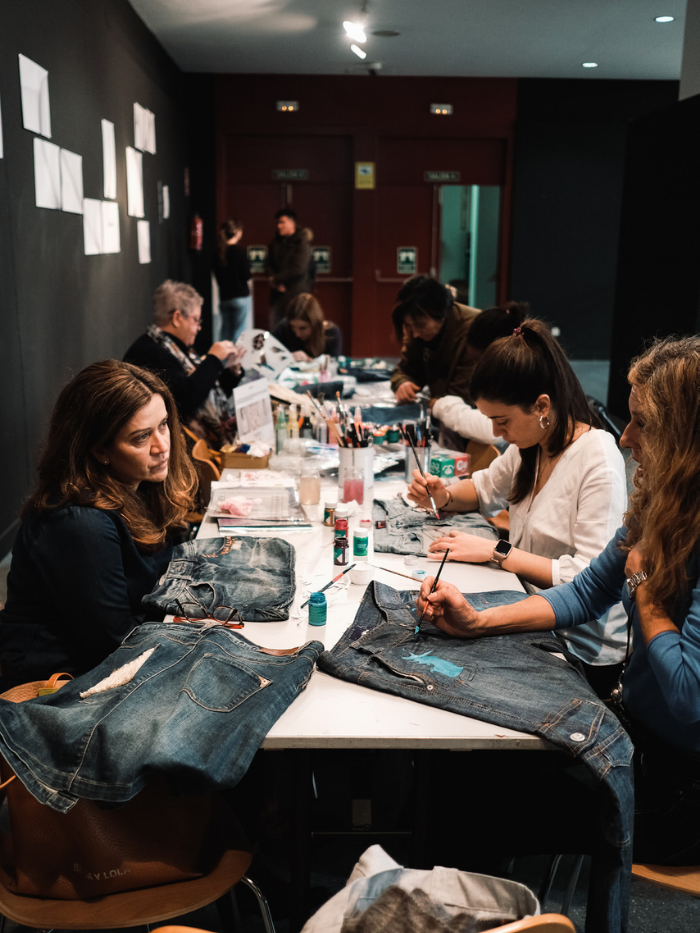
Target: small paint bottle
x=360 y=543
x=340 y=552
x=367 y=526
x=318 y=609
x=329 y=514
x=341 y=527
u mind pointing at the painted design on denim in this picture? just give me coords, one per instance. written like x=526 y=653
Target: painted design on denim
x=437 y=665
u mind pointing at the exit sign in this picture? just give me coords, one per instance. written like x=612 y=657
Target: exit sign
x=442 y=176
x=406 y=260
x=256 y=258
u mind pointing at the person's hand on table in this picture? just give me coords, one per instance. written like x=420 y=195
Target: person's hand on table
x=448 y=609
x=406 y=393
x=462 y=546
x=418 y=490
x=301 y=357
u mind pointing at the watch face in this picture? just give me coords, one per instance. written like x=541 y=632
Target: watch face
x=504 y=548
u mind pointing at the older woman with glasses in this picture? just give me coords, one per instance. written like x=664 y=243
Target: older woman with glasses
x=200 y=385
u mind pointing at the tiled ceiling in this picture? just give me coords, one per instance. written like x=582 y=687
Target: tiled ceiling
x=486 y=38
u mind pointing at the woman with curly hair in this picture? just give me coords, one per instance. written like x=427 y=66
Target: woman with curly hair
x=115 y=484
x=653 y=563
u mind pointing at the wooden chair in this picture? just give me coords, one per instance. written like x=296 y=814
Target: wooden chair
x=207 y=469
x=546 y=923
x=676 y=878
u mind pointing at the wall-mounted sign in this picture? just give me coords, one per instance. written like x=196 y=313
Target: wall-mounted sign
x=364 y=174
x=406 y=260
x=256 y=258
x=442 y=176
x=322 y=258
x=290 y=174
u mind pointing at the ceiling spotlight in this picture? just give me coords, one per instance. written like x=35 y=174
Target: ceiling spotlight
x=664 y=19
x=358 y=51
x=355 y=31
x=589 y=64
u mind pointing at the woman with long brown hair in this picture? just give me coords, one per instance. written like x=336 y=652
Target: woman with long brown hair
x=234 y=278
x=304 y=331
x=115 y=484
x=653 y=564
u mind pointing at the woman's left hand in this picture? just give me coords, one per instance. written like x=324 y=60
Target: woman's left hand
x=233 y=361
x=469 y=548
x=301 y=357
x=635 y=561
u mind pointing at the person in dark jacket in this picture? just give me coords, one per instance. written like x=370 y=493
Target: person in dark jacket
x=233 y=277
x=97 y=533
x=200 y=385
x=287 y=264
x=433 y=330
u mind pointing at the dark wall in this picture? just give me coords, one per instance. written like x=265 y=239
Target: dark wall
x=570 y=139
x=60 y=309
x=658 y=277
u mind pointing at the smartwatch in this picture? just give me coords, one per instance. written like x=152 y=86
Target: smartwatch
x=501 y=551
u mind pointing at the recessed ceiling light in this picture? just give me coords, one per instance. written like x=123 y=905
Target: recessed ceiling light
x=589 y=64
x=386 y=33
x=355 y=31
x=664 y=19
x=358 y=51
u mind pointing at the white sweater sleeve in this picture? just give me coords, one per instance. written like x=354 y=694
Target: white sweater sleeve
x=455 y=414
x=493 y=485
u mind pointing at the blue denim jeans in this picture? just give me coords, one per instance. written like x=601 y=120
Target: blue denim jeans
x=236 y=316
x=225 y=578
x=195 y=706
x=410 y=532
x=510 y=680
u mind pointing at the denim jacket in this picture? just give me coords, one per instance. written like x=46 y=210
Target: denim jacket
x=227 y=578
x=542 y=694
x=190 y=701
x=408 y=531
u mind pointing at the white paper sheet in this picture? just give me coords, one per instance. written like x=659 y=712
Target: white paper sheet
x=140 y=127
x=34 y=82
x=144 y=236
x=150 y=140
x=134 y=182
x=2 y=151
x=111 y=241
x=92 y=226
x=47 y=174
x=71 y=182
x=254 y=413
x=109 y=160
x=166 y=202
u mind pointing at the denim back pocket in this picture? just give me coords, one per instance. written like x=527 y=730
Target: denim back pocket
x=221 y=685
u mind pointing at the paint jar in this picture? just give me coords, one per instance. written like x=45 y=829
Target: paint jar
x=362 y=574
x=410 y=560
x=360 y=543
x=341 y=527
x=340 y=552
x=367 y=525
x=329 y=514
x=393 y=435
x=318 y=609
x=309 y=486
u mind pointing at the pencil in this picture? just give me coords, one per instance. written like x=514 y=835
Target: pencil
x=432 y=588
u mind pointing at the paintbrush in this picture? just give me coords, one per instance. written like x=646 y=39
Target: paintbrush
x=427 y=488
x=432 y=589
x=330 y=423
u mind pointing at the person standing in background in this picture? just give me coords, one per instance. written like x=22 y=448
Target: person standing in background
x=287 y=264
x=234 y=277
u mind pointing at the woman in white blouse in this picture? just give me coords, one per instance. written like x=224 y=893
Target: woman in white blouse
x=562 y=480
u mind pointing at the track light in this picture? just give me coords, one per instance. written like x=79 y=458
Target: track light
x=355 y=31
x=358 y=51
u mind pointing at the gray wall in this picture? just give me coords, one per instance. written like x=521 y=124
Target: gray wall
x=60 y=309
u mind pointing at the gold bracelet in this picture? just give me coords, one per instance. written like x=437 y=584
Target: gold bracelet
x=449 y=497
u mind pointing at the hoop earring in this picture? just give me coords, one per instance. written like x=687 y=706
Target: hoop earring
x=106 y=462
x=544 y=422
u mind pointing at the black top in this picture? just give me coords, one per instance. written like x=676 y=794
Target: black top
x=232 y=277
x=189 y=391
x=74 y=592
x=334 y=338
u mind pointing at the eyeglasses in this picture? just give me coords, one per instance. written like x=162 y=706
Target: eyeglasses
x=190 y=317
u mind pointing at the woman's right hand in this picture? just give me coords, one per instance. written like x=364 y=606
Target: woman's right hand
x=301 y=357
x=418 y=490
x=222 y=349
x=406 y=393
x=448 y=609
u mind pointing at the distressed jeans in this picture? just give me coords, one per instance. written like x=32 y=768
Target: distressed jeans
x=407 y=531
x=510 y=680
x=227 y=578
x=192 y=702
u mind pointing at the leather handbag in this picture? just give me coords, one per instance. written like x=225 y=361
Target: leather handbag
x=92 y=851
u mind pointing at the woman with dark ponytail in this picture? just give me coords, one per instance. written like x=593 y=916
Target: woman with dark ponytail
x=233 y=276
x=562 y=480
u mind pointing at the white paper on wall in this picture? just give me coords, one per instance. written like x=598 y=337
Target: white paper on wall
x=92 y=226
x=2 y=151
x=150 y=132
x=47 y=174
x=34 y=82
x=166 y=202
x=139 y=127
x=111 y=241
x=71 y=182
x=144 y=236
x=109 y=160
x=134 y=182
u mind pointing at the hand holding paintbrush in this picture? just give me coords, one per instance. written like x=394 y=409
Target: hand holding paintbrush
x=408 y=437
x=432 y=590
